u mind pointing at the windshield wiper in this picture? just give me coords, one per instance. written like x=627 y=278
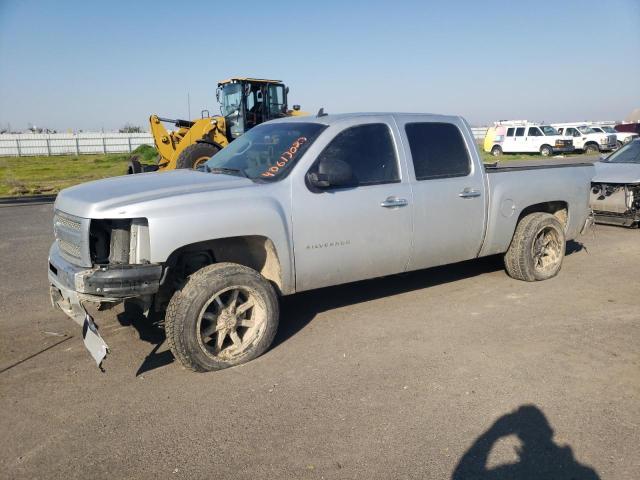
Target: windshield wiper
x=224 y=170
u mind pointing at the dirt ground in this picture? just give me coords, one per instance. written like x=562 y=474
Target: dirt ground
x=446 y=373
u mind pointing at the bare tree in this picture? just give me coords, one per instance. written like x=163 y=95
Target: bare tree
x=128 y=128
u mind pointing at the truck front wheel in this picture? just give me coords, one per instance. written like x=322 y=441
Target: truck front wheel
x=496 y=151
x=546 y=150
x=225 y=315
x=537 y=248
x=591 y=149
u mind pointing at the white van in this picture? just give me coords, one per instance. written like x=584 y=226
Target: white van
x=521 y=136
x=586 y=138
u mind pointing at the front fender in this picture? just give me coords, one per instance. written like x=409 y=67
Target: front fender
x=173 y=227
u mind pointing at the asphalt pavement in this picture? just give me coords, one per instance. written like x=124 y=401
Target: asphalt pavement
x=445 y=373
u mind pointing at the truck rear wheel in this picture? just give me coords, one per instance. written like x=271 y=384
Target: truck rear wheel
x=195 y=155
x=537 y=248
x=226 y=314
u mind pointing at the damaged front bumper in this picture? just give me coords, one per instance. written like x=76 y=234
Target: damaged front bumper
x=70 y=286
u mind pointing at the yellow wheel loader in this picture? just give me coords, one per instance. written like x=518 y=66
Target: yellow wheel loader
x=244 y=103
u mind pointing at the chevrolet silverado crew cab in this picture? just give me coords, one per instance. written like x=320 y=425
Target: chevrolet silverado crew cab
x=521 y=136
x=586 y=138
x=299 y=204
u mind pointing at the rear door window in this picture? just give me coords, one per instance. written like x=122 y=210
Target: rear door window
x=438 y=150
x=520 y=132
x=510 y=132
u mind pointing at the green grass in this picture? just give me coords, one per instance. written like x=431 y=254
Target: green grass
x=20 y=176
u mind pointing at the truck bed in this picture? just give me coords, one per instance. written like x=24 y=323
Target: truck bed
x=512 y=187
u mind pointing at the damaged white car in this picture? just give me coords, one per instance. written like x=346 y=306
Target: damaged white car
x=615 y=189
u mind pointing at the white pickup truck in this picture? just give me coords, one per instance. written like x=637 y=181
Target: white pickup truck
x=587 y=139
x=298 y=204
x=622 y=138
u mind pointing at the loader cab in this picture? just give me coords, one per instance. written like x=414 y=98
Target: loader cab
x=247 y=102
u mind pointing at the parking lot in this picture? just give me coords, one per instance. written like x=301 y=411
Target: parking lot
x=392 y=378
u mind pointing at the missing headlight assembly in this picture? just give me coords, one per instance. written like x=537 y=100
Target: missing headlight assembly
x=119 y=241
x=616 y=204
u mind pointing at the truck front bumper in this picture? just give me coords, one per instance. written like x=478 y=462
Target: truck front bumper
x=606 y=147
x=563 y=149
x=71 y=285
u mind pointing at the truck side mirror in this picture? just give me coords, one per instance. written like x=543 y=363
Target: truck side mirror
x=331 y=173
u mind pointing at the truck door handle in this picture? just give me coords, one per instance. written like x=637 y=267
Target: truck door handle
x=391 y=202
x=469 y=193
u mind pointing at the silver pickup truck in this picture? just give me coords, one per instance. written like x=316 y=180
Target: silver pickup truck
x=298 y=204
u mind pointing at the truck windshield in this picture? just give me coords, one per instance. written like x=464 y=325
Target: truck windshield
x=608 y=129
x=586 y=130
x=267 y=152
x=547 y=130
x=630 y=153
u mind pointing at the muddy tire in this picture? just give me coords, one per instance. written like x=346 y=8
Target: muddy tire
x=591 y=149
x=195 y=155
x=225 y=315
x=619 y=144
x=496 y=151
x=537 y=248
x=546 y=151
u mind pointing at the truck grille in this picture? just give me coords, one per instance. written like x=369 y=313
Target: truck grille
x=66 y=222
x=72 y=237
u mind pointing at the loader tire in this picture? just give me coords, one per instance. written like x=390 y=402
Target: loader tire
x=537 y=248
x=225 y=315
x=195 y=155
x=134 y=165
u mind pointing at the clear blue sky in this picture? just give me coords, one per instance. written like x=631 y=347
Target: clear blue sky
x=91 y=65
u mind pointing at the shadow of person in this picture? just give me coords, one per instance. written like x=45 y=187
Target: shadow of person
x=539 y=457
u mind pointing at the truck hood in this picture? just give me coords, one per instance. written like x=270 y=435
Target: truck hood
x=89 y=200
x=617 y=172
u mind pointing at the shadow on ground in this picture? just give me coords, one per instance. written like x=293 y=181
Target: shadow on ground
x=296 y=311
x=539 y=457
